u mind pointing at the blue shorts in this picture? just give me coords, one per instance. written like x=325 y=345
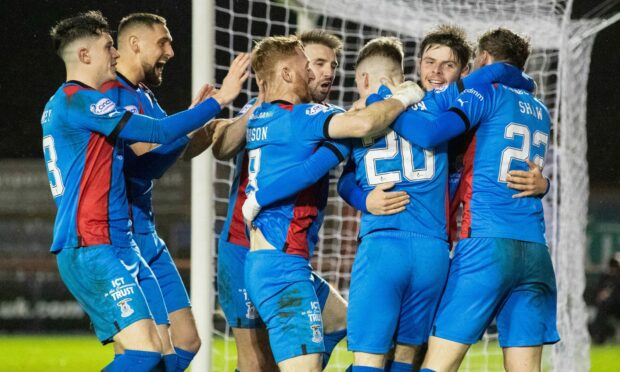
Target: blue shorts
x=156 y=254
x=232 y=291
x=396 y=284
x=282 y=288
x=507 y=279
x=104 y=280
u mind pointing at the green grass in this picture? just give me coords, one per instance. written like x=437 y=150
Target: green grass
x=84 y=353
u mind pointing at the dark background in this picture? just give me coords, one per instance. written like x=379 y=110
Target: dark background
x=31 y=72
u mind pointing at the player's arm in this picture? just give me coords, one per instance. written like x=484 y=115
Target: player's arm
x=228 y=140
x=375 y=118
x=143 y=128
x=231 y=138
x=469 y=110
x=295 y=179
x=196 y=139
x=379 y=201
x=503 y=73
x=530 y=182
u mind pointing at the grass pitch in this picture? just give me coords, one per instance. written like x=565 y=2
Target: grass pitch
x=84 y=353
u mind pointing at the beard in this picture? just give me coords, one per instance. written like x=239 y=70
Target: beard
x=151 y=78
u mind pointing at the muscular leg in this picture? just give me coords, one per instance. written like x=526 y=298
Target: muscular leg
x=253 y=350
x=183 y=330
x=302 y=363
x=522 y=359
x=334 y=316
x=444 y=355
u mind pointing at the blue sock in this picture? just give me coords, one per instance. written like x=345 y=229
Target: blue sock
x=134 y=361
x=331 y=340
x=399 y=367
x=184 y=358
x=427 y=370
x=365 y=369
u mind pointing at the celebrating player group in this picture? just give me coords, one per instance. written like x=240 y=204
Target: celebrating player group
x=470 y=139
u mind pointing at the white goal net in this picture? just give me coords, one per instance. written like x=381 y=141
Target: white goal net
x=559 y=63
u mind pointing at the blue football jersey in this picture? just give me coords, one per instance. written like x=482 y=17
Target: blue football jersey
x=279 y=136
x=84 y=164
x=141 y=170
x=422 y=173
x=233 y=230
x=511 y=126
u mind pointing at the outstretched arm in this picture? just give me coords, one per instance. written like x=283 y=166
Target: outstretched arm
x=294 y=180
x=374 y=118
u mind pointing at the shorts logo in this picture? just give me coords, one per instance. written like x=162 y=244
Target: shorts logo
x=251 y=312
x=316 y=109
x=317 y=335
x=126 y=310
x=103 y=106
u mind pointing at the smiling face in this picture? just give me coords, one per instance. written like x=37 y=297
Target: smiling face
x=439 y=66
x=155 y=43
x=323 y=64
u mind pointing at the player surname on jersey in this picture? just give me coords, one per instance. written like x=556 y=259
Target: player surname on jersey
x=256 y=134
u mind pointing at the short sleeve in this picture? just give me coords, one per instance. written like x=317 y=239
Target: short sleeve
x=90 y=109
x=315 y=119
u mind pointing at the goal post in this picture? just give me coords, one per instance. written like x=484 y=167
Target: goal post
x=559 y=63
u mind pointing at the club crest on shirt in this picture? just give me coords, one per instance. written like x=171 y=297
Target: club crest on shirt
x=126 y=310
x=315 y=109
x=317 y=336
x=103 y=106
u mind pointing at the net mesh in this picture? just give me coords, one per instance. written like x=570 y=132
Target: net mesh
x=560 y=72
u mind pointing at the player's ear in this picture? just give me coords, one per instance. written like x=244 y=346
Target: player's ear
x=83 y=55
x=365 y=80
x=285 y=72
x=465 y=71
x=134 y=43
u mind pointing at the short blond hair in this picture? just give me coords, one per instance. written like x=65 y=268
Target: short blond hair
x=270 y=50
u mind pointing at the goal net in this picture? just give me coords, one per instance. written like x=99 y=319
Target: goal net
x=559 y=63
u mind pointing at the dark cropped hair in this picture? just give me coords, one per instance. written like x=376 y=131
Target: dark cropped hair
x=504 y=45
x=88 y=24
x=385 y=46
x=146 y=19
x=453 y=37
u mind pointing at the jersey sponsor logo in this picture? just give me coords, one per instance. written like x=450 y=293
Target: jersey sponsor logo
x=256 y=134
x=47 y=115
x=120 y=289
x=315 y=109
x=126 y=310
x=133 y=109
x=262 y=115
x=474 y=93
x=102 y=107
